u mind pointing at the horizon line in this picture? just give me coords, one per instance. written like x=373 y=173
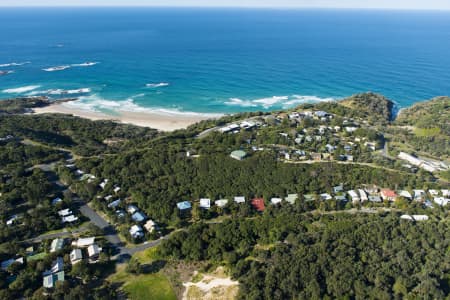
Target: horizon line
x=232 y=7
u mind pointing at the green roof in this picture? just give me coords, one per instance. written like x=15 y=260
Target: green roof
x=239 y=153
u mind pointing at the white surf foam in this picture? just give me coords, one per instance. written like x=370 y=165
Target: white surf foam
x=97 y=104
x=276 y=101
x=14 y=64
x=240 y=102
x=59 y=92
x=22 y=89
x=58 y=68
x=156 y=85
x=299 y=99
x=86 y=64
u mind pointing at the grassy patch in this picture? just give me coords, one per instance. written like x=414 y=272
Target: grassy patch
x=148 y=255
x=427 y=132
x=151 y=286
x=37 y=256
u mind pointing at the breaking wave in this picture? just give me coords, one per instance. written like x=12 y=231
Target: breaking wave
x=156 y=85
x=22 y=89
x=276 y=101
x=97 y=104
x=14 y=64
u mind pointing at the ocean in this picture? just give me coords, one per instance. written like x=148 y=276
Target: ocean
x=221 y=60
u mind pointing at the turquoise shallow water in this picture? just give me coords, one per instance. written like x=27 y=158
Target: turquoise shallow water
x=223 y=61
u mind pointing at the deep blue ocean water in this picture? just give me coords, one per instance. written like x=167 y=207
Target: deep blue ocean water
x=224 y=60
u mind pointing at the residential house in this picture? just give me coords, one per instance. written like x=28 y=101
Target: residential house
x=94 y=252
x=49 y=280
x=338 y=189
x=362 y=195
x=354 y=196
x=58 y=265
x=415 y=217
x=131 y=209
x=138 y=216
x=184 y=205
x=309 y=197
x=433 y=192
x=419 y=195
x=104 y=183
x=150 y=226
x=136 y=231
x=239 y=199
x=221 y=202
x=316 y=156
x=120 y=213
x=5 y=264
x=56 y=245
x=76 y=256
x=441 y=201
x=115 y=203
x=238 y=154
x=325 y=196
x=56 y=201
x=406 y=194
x=291 y=198
x=375 y=198
x=69 y=219
x=340 y=198
x=56 y=273
x=258 y=204
x=388 y=194
x=83 y=242
x=275 y=201
x=65 y=212
x=12 y=220
x=205 y=203
x=116 y=189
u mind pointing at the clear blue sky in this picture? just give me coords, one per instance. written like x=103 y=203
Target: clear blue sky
x=391 y=4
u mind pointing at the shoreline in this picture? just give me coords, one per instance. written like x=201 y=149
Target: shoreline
x=161 y=121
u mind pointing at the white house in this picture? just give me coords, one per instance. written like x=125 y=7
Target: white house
x=56 y=245
x=275 y=201
x=434 y=192
x=239 y=199
x=441 y=201
x=205 y=203
x=363 y=195
x=65 y=212
x=150 y=226
x=406 y=194
x=354 y=196
x=93 y=252
x=76 y=256
x=419 y=194
x=136 y=231
x=291 y=198
x=83 y=242
x=131 y=209
x=221 y=202
x=325 y=196
x=69 y=219
x=11 y=220
x=415 y=217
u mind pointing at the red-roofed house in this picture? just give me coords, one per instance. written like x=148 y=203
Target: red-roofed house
x=388 y=194
x=258 y=204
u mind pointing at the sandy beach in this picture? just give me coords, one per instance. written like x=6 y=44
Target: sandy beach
x=164 y=121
